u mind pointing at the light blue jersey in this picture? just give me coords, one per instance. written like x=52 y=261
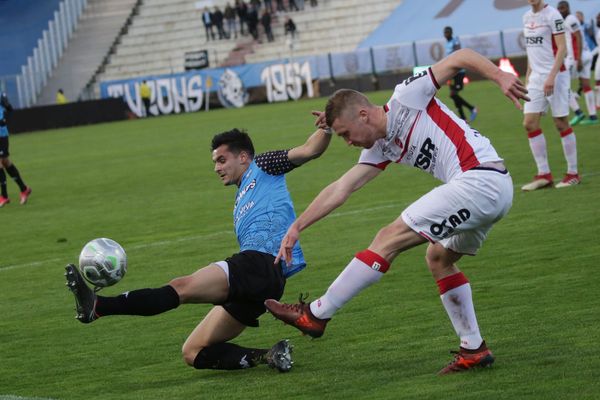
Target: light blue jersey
x=3 y=128
x=452 y=45
x=263 y=209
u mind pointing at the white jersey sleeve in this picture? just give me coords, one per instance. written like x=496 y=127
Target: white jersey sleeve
x=571 y=27
x=415 y=92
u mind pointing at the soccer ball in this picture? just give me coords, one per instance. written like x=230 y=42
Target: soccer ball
x=103 y=262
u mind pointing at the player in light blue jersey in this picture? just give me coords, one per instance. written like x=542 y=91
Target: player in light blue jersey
x=457 y=83
x=238 y=285
x=5 y=163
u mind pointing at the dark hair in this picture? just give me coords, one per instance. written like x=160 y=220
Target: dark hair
x=236 y=140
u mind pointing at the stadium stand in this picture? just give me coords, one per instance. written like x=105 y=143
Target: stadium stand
x=333 y=26
x=21 y=25
x=165 y=29
x=98 y=27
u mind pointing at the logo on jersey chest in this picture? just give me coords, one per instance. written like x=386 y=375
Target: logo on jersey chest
x=534 y=40
x=245 y=190
x=448 y=225
x=427 y=155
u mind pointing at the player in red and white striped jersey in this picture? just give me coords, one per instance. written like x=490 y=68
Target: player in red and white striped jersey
x=548 y=83
x=579 y=64
x=416 y=129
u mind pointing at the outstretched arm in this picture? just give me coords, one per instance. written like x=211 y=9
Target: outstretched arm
x=510 y=85
x=328 y=200
x=314 y=146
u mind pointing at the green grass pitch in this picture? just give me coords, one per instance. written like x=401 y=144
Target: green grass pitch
x=150 y=185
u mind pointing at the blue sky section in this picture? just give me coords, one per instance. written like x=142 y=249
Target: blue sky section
x=426 y=19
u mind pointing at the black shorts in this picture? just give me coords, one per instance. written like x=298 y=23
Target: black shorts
x=4 y=147
x=458 y=82
x=253 y=278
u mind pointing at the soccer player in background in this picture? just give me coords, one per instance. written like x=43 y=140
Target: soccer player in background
x=416 y=129
x=238 y=285
x=5 y=163
x=456 y=84
x=596 y=54
x=579 y=64
x=548 y=83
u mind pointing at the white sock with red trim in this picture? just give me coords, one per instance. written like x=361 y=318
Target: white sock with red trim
x=590 y=102
x=364 y=270
x=569 y=144
x=455 y=292
x=537 y=143
x=573 y=102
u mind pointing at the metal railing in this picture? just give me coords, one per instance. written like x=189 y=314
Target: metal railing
x=46 y=55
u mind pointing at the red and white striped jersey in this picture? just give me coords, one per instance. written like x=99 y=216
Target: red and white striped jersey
x=571 y=26
x=539 y=31
x=422 y=132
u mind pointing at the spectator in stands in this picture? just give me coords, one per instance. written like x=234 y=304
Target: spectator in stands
x=146 y=95
x=290 y=27
x=252 y=21
x=265 y=20
x=293 y=6
x=208 y=24
x=256 y=4
x=217 y=19
x=242 y=12
x=60 y=97
x=5 y=163
x=269 y=6
x=457 y=83
x=280 y=6
x=230 y=18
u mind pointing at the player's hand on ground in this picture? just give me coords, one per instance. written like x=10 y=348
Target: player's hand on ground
x=287 y=245
x=513 y=88
x=320 y=121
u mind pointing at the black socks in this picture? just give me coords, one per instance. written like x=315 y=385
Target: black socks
x=229 y=356
x=139 y=302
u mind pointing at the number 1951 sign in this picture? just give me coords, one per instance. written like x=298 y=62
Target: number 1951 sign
x=285 y=81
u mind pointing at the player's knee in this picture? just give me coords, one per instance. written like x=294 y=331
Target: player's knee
x=181 y=287
x=530 y=126
x=190 y=353
x=437 y=259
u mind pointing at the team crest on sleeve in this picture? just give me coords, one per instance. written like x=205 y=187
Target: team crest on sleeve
x=559 y=24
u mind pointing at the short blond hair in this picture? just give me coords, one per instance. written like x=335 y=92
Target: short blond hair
x=342 y=100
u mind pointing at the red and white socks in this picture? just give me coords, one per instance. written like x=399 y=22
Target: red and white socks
x=537 y=143
x=455 y=293
x=569 y=144
x=365 y=269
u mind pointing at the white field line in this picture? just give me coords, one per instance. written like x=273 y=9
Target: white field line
x=13 y=397
x=169 y=242
x=220 y=233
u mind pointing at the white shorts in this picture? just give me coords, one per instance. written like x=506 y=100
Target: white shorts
x=460 y=213
x=558 y=102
